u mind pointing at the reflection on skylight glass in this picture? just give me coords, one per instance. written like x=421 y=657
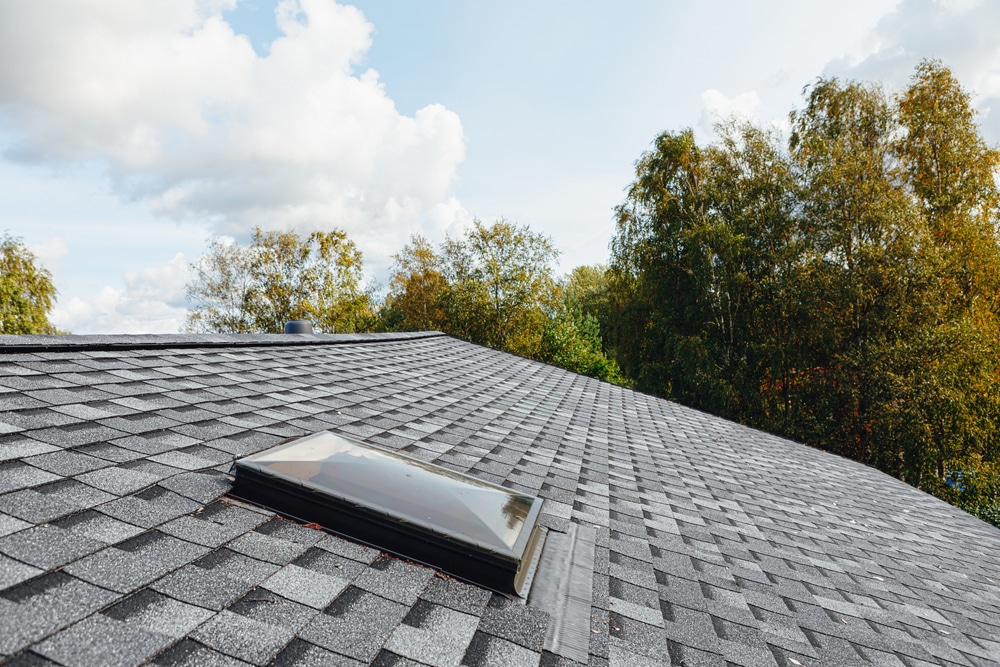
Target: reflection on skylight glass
x=405 y=488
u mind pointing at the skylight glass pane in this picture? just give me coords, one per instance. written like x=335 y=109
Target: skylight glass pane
x=400 y=504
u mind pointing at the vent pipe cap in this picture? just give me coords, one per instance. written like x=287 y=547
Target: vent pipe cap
x=299 y=327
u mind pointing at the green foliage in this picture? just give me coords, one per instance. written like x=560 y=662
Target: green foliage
x=280 y=277
x=26 y=290
x=989 y=512
x=417 y=290
x=572 y=340
x=501 y=286
x=842 y=291
x=704 y=237
x=494 y=286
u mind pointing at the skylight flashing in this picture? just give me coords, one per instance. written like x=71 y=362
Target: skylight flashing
x=472 y=529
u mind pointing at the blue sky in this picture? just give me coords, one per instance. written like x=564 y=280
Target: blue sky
x=132 y=132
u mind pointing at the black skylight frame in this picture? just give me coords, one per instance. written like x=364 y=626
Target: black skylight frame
x=495 y=562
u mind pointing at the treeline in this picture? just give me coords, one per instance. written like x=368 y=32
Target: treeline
x=838 y=284
x=841 y=288
x=495 y=285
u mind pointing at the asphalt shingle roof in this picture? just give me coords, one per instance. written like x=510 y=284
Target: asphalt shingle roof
x=716 y=544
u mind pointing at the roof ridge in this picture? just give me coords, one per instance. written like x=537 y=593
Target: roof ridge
x=11 y=344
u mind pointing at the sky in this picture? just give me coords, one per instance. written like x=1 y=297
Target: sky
x=132 y=133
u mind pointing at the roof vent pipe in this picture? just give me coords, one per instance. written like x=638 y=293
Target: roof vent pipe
x=299 y=327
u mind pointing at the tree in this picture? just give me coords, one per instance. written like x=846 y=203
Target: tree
x=703 y=238
x=417 y=288
x=952 y=173
x=494 y=286
x=279 y=277
x=866 y=289
x=501 y=286
x=26 y=290
x=843 y=290
x=572 y=340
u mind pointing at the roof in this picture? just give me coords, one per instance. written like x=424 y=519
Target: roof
x=715 y=544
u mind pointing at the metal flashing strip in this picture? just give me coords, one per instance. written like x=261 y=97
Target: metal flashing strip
x=563 y=588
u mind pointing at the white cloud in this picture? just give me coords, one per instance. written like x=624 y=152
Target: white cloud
x=961 y=33
x=186 y=116
x=50 y=253
x=151 y=300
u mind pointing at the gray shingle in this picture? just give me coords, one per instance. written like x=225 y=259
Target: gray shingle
x=91 y=411
x=201 y=487
x=395 y=579
x=66 y=462
x=215 y=581
x=30 y=505
x=135 y=562
x=433 y=635
x=188 y=653
x=518 y=623
x=303 y=654
x=356 y=625
x=138 y=423
x=100 y=527
x=307 y=587
x=156 y=613
x=43 y=605
x=74 y=435
x=13 y=572
x=118 y=480
x=74 y=494
x=272 y=609
x=331 y=564
x=17 y=446
x=112 y=453
x=9 y=524
x=457 y=595
x=351 y=550
x=47 y=546
x=201 y=587
x=243 y=638
x=489 y=651
x=267 y=547
x=86 y=643
x=150 y=508
x=18 y=475
x=214 y=525
x=183 y=461
x=25 y=420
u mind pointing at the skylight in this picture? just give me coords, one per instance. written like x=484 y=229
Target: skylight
x=471 y=529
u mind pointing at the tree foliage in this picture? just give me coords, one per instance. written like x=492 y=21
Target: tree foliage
x=501 y=285
x=279 y=277
x=572 y=338
x=841 y=289
x=26 y=290
x=417 y=288
x=495 y=285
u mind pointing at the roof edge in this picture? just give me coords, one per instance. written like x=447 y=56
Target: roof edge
x=11 y=344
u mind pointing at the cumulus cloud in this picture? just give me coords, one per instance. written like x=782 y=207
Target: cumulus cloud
x=150 y=300
x=50 y=253
x=962 y=33
x=184 y=115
